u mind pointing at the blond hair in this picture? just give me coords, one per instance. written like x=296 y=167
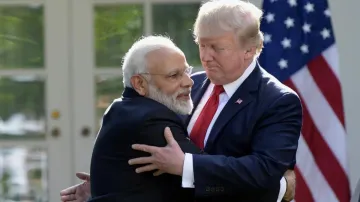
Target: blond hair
x=218 y=16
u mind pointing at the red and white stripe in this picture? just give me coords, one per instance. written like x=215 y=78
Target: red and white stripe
x=322 y=169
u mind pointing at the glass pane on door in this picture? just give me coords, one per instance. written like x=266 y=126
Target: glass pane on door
x=21 y=37
x=108 y=88
x=22 y=107
x=176 y=21
x=116 y=28
x=23 y=174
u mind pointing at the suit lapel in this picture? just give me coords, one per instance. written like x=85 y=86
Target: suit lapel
x=239 y=100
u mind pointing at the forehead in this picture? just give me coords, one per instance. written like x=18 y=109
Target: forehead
x=226 y=38
x=166 y=60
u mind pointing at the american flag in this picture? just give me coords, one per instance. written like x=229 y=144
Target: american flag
x=300 y=50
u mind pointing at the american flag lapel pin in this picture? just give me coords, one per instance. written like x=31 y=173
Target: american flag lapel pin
x=238 y=101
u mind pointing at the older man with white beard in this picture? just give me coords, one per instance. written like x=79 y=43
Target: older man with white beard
x=157 y=89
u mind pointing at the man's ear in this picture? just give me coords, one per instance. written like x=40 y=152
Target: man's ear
x=250 y=52
x=139 y=84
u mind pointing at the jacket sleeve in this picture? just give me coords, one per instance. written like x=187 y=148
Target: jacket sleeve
x=152 y=133
x=274 y=145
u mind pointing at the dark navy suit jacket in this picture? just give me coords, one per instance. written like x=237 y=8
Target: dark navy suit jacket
x=251 y=144
x=136 y=119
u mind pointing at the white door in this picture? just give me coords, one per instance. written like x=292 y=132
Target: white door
x=103 y=30
x=35 y=118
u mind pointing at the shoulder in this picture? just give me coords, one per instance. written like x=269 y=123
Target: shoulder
x=199 y=76
x=272 y=89
x=139 y=108
x=135 y=114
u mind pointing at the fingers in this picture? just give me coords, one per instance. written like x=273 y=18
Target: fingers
x=144 y=148
x=159 y=172
x=83 y=176
x=290 y=174
x=146 y=168
x=169 y=136
x=290 y=185
x=141 y=160
x=70 y=197
x=69 y=190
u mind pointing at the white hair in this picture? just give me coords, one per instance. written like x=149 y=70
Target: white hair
x=218 y=16
x=135 y=62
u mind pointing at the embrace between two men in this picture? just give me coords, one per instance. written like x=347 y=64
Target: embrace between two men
x=231 y=132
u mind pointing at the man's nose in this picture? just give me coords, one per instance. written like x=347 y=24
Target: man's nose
x=187 y=81
x=206 y=54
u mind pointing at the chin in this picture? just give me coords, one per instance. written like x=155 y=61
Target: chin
x=185 y=108
x=214 y=79
x=187 y=112
x=213 y=72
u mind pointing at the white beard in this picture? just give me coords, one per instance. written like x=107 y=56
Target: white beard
x=182 y=107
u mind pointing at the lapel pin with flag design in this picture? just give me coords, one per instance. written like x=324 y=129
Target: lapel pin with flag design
x=238 y=101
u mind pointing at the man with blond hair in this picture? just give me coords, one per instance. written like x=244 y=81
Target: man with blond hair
x=245 y=119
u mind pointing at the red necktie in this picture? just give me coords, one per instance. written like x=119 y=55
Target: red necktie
x=202 y=123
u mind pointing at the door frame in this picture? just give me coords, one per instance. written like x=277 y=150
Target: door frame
x=57 y=63
x=82 y=91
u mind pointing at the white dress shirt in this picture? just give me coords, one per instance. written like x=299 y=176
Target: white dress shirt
x=188 y=172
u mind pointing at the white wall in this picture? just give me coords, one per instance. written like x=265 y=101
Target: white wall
x=347 y=31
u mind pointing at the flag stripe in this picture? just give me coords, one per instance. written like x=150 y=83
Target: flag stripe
x=328 y=85
x=318 y=186
x=302 y=192
x=322 y=115
x=323 y=156
x=332 y=57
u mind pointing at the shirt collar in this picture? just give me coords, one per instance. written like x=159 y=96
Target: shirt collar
x=230 y=88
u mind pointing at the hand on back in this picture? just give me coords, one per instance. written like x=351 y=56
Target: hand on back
x=77 y=193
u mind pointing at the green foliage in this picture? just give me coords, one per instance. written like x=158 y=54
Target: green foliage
x=176 y=21
x=21 y=37
x=119 y=26
x=116 y=28
x=5 y=181
x=35 y=173
x=22 y=97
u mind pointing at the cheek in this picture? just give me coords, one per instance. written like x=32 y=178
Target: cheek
x=229 y=64
x=224 y=62
x=170 y=88
x=201 y=55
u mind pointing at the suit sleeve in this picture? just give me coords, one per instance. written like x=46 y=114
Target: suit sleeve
x=274 y=145
x=152 y=133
